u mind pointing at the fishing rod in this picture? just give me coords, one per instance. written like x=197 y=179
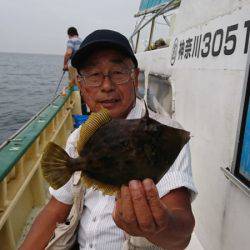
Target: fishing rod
x=58 y=85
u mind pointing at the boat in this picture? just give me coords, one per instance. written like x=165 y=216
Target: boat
x=201 y=78
x=22 y=188
x=194 y=58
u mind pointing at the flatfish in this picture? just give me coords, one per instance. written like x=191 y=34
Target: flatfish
x=114 y=151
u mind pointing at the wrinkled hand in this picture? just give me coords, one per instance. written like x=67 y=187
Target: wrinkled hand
x=139 y=210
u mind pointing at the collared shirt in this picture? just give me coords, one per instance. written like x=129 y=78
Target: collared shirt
x=74 y=44
x=97 y=229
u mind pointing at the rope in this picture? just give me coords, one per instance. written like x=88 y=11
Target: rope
x=58 y=85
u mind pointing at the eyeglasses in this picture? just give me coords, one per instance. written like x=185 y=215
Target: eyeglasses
x=116 y=76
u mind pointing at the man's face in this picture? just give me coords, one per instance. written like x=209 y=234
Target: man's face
x=119 y=99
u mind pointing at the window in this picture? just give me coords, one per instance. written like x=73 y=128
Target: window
x=242 y=169
x=141 y=84
x=160 y=88
x=148 y=4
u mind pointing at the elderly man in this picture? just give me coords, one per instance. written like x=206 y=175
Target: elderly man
x=108 y=75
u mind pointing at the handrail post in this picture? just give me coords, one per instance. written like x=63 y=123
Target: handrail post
x=37 y=188
x=137 y=41
x=151 y=32
x=3 y=194
x=20 y=169
x=7 y=238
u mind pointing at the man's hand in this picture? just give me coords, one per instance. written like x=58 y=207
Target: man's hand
x=68 y=54
x=140 y=212
x=65 y=67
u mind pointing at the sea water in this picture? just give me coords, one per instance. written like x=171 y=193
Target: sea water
x=27 y=84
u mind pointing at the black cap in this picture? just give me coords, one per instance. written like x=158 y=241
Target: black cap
x=106 y=38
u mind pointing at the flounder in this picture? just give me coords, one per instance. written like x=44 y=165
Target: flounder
x=114 y=151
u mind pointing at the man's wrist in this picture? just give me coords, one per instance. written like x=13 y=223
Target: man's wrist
x=65 y=67
x=175 y=236
x=169 y=243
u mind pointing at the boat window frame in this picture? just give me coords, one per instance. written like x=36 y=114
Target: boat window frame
x=166 y=80
x=242 y=133
x=233 y=174
x=143 y=75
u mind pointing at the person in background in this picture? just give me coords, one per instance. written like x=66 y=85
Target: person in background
x=73 y=45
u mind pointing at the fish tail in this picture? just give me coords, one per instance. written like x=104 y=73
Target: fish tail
x=56 y=167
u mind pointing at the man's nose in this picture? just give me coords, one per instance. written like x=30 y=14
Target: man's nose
x=107 y=84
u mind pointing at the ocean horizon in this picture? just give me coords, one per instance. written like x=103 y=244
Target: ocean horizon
x=30 y=53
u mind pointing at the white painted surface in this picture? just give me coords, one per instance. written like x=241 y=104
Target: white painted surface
x=208 y=93
x=194 y=13
x=194 y=244
x=155 y=61
x=207 y=104
x=222 y=61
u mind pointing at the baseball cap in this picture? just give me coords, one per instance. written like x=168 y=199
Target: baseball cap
x=105 y=38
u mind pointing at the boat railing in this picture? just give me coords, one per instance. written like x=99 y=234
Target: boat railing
x=22 y=187
x=160 y=10
x=28 y=122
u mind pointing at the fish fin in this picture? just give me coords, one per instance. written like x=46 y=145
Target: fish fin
x=55 y=165
x=97 y=185
x=95 y=121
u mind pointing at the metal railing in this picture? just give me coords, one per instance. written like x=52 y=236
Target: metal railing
x=159 y=11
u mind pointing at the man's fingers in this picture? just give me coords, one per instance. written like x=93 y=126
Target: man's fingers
x=128 y=213
x=117 y=212
x=118 y=216
x=142 y=210
x=118 y=207
x=158 y=210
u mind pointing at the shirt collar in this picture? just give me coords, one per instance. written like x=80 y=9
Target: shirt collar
x=137 y=111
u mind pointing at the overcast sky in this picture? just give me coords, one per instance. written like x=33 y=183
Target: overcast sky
x=39 y=26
